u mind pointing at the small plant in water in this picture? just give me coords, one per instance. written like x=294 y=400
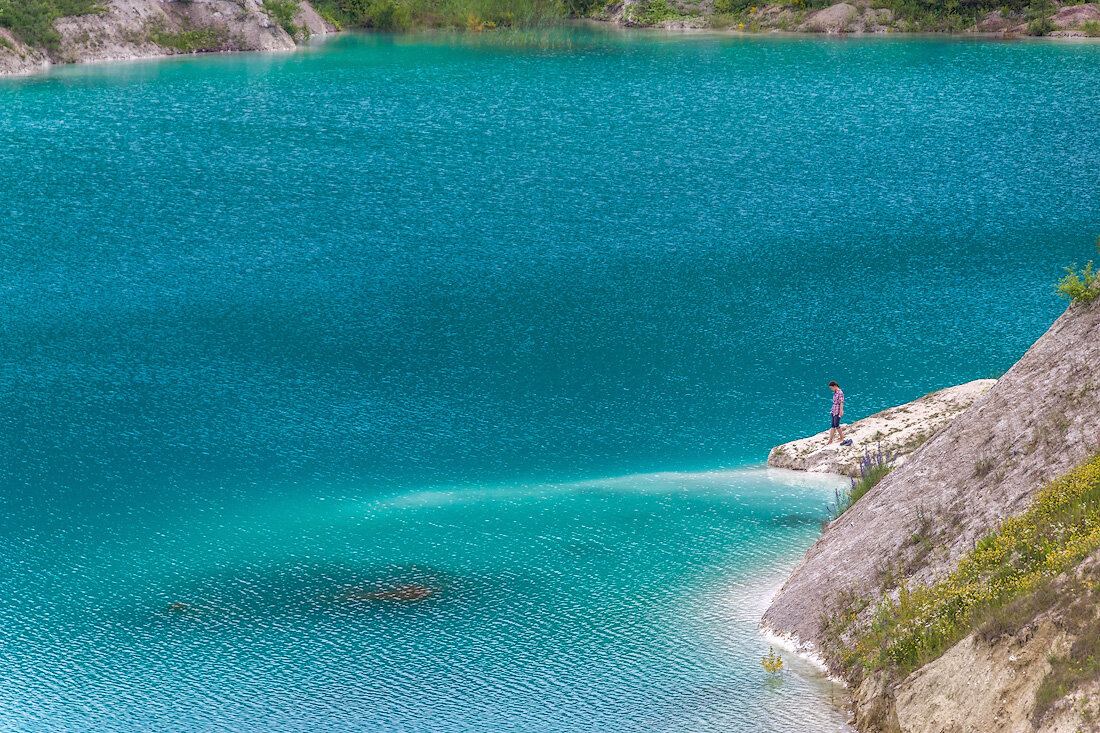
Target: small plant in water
x=773 y=663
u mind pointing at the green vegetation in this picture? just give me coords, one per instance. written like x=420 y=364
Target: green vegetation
x=873 y=467
x=998 y=582
x=1081 y=665
x=32 y=20
x=653 y=12
x=983 y=466
x=773 y=663
x=1091 y=28
x=473 y=15
x=1039 y=18
x=189 y=40
x=284 y=12
x=1081 y=286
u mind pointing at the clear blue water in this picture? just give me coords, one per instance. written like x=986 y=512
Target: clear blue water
x=509 y=320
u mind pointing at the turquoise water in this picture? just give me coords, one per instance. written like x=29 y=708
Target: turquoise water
x=508 y=320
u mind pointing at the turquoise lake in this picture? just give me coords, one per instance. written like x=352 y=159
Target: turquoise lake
x=509 y=319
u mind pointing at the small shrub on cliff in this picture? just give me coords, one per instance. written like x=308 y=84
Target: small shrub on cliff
x=873 y=467
x=1081 y=286
x=189 y=39
x=652 y=12
x=733 y=7
x=1069 y=672
x=284 y=12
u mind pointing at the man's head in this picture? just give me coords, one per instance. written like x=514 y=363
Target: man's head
x=834 y=386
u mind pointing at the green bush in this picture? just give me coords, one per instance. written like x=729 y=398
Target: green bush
x=32 y=20
x=652 y=12
x=1081 y=286
x=733 y=7
x=1039 y=22
x=284 y=12
x=1091 y=28
x=475 y=15
x=873 y=467
x=387 y=15
x=190 y=39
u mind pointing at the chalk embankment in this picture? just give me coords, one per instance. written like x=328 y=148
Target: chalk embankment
x=896 y=430
x=132 y=29
x=986 y=464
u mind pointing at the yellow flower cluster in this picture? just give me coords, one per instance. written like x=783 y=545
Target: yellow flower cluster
x=1056 y=532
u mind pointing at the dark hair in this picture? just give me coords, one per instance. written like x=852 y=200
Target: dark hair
x=833 y=384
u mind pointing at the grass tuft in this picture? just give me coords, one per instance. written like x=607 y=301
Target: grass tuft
x=873 y=467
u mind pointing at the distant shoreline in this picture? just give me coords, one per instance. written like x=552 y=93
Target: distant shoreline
x=202 y=29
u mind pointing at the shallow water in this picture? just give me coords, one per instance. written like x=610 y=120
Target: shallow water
x=284 y=333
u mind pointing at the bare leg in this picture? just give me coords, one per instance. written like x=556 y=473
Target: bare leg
x=841 y=431
x=832 y=433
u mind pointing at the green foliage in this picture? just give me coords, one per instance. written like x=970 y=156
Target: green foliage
x=1081 y=286
x=284 y=12
x=1091 y=28
x=873 y=467
x=473 y=15
x=733 y=7
x=189 y=40
x=1067 y=673
x=1039 y=18
x=32 y=20
x=1061 y=528
x=653 y=12
x=772 y=663
x=947 y=15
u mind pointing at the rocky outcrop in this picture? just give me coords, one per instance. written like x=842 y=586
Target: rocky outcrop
x=990 y=680
x=130 y=29
x=1039 y=420
x=896 y=430
x=847 y=18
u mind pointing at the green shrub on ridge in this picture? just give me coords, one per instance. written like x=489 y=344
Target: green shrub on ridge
x=32 y=20
x=1081 y=286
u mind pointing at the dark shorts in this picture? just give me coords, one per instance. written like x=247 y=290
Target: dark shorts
x=836 y=421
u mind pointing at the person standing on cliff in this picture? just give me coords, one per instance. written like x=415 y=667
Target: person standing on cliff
x=837 y=413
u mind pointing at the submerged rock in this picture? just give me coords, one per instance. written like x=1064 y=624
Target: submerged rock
x=404 y=593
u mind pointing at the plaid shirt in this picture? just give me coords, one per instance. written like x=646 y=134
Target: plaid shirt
x=838 y=402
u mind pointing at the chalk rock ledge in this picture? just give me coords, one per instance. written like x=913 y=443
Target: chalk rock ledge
x=899 y=430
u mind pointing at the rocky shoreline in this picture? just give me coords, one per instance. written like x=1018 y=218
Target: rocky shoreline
x=897 y=431
x=984 y=465
x=134 y=29
x=856 y=17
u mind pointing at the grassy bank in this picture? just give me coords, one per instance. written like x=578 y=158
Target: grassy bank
x=917 y=16
x=473 y=15
x=1002 y=583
